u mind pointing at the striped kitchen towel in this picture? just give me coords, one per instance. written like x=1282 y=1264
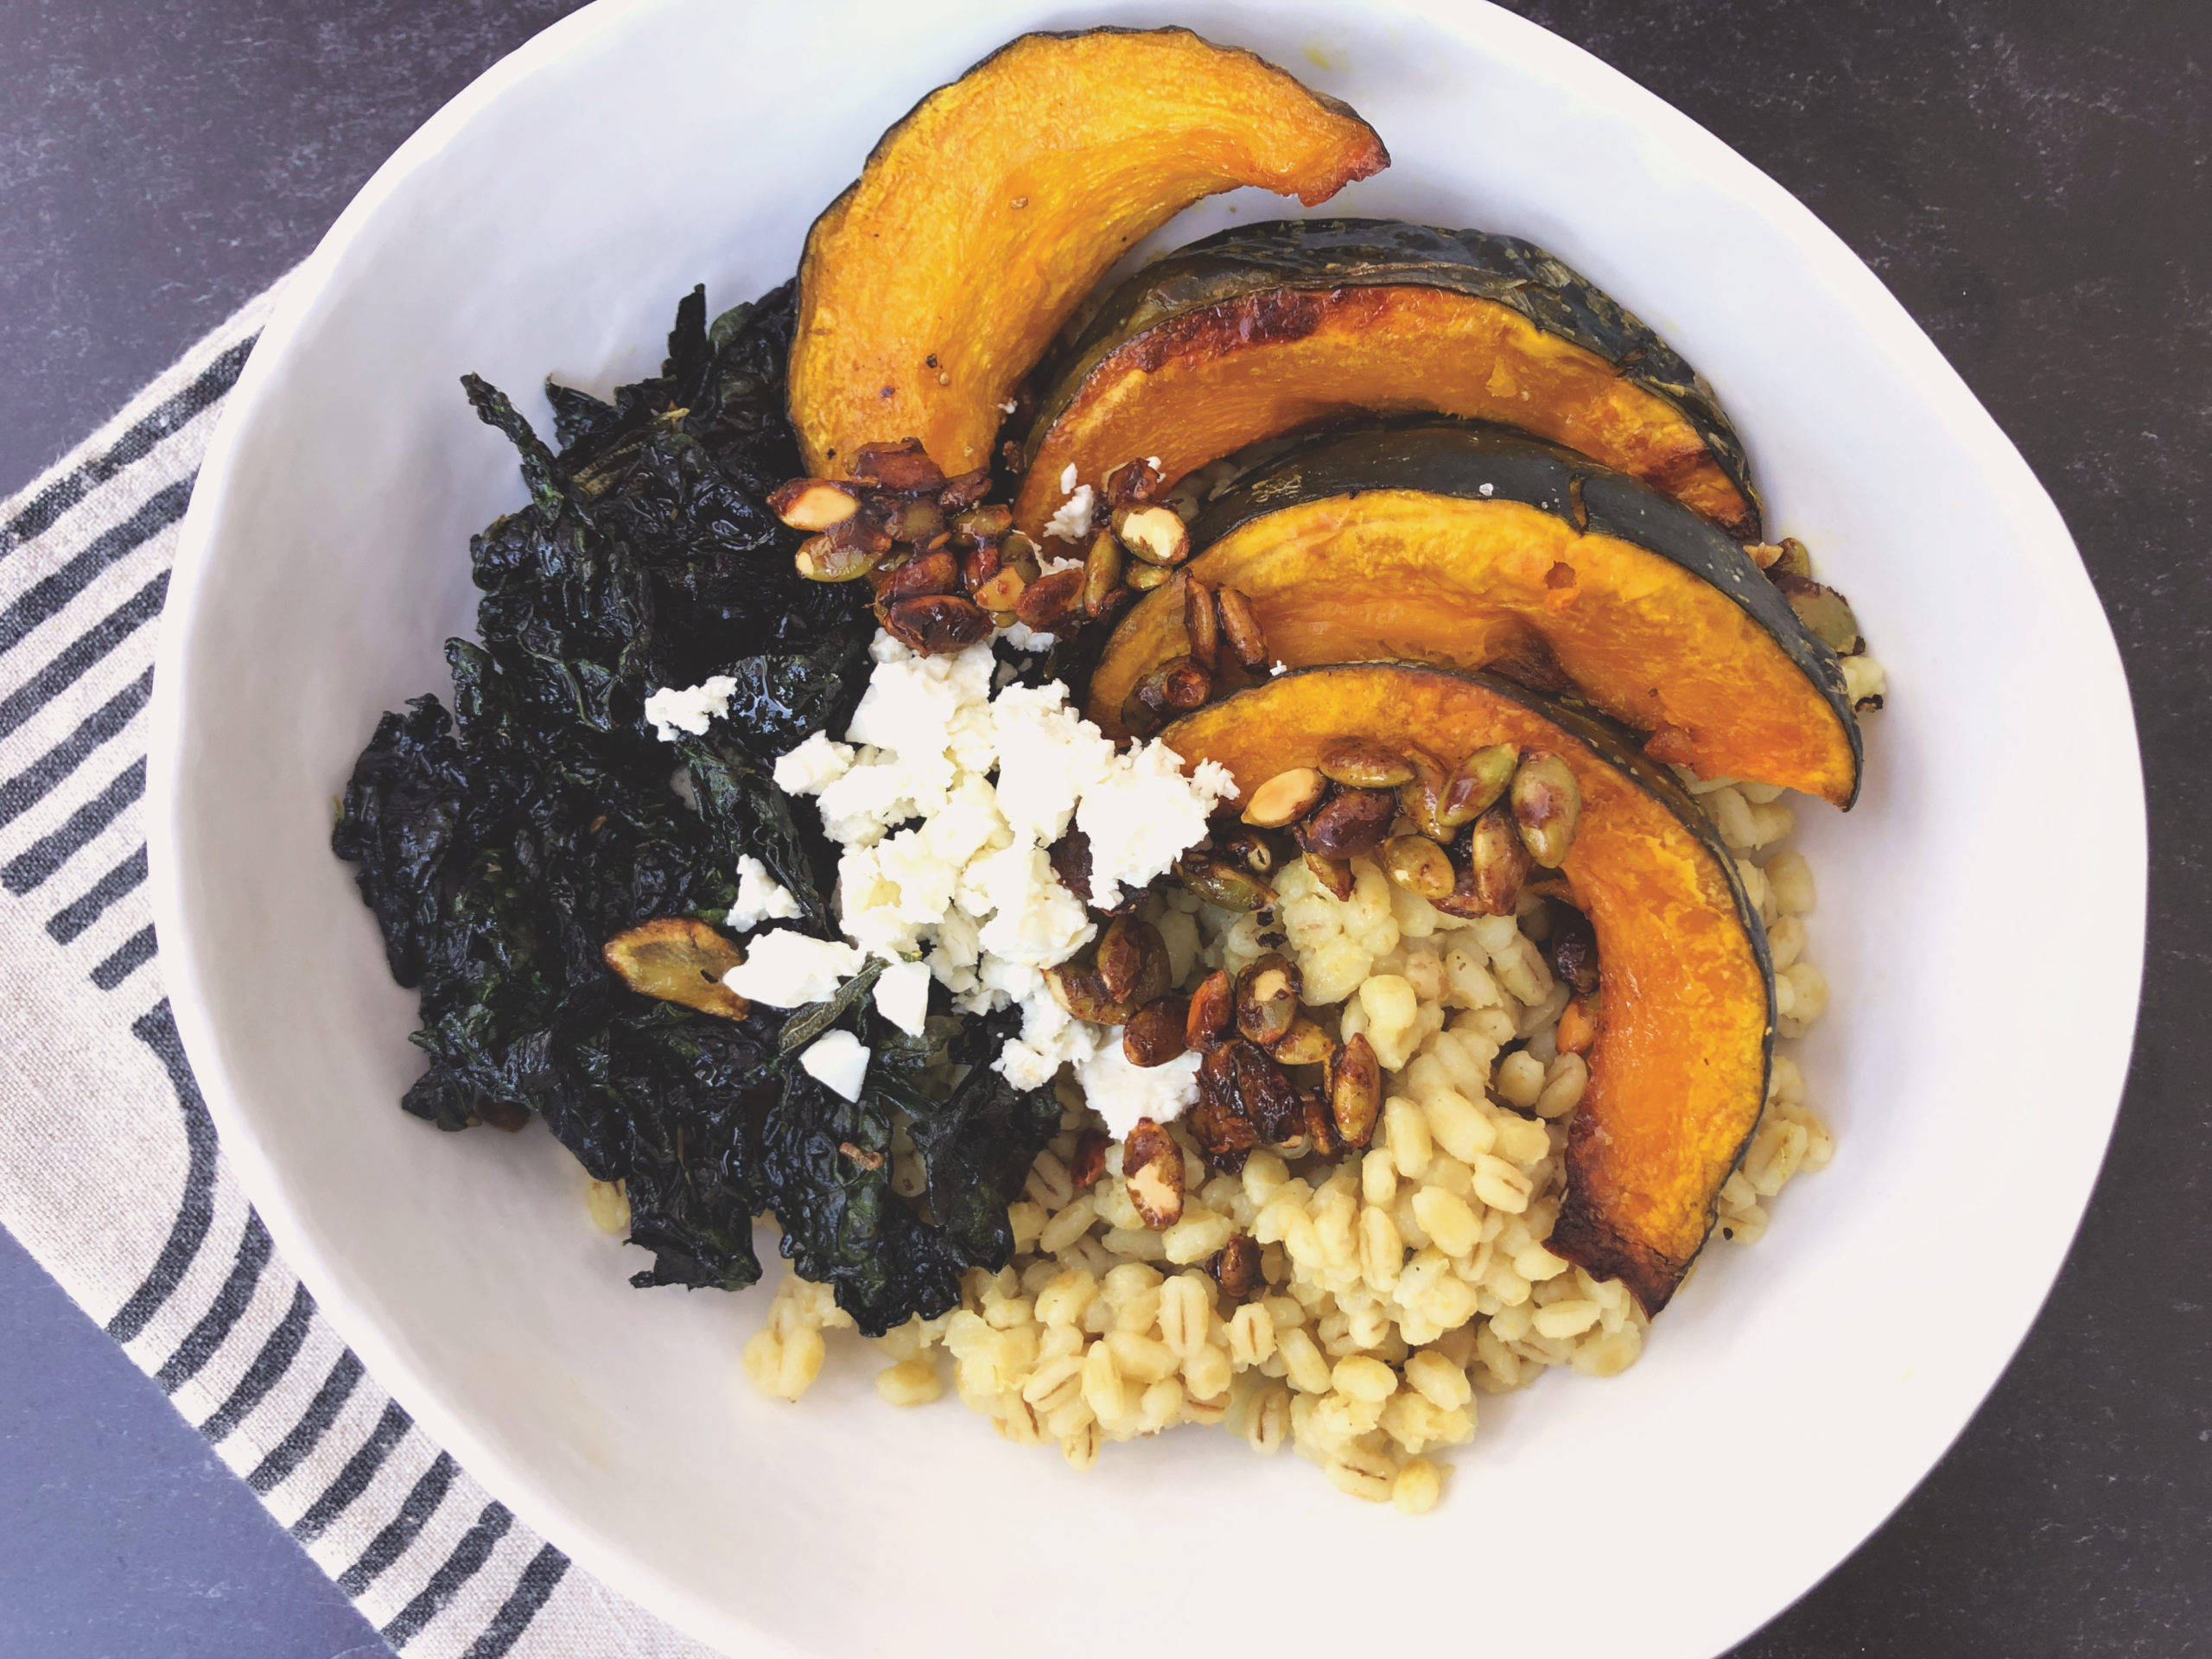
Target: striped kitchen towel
x=110 y=1172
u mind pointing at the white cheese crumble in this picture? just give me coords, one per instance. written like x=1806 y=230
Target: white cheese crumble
x=945 y=812
x=1022 y=637
x=813 y=766
x=760 y=897
x=1073 y=522
x=837 y=1060
x=692 y=708
x=786 y=970
x=1067 y=479
x=1007 y=407
x=902 y=995
x=1280 y=668
x=1486 y=489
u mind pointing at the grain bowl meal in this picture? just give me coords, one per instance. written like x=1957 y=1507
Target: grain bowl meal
x=1208 y=851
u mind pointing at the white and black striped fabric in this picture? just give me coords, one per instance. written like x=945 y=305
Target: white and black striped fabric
x=110 y=1172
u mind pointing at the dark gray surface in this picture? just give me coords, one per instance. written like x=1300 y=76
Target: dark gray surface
x=2031 y=177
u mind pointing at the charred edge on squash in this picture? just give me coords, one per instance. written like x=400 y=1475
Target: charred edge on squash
x=1274 y=264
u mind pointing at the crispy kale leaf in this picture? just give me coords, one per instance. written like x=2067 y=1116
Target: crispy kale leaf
x=500 y=849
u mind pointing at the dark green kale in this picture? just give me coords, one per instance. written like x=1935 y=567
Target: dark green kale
x=499 y=850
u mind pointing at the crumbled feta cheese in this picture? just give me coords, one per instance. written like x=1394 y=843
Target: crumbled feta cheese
x=814 y=765
x=760 y=897
x=680 y=785
x=691 y=709
x=1486 y=489
x=786 y=970
x=1143 y=813
x=902 y=995
x=1067 y=479
x=1073 y=522
x=1022 y=637
x=1007 y=407
x=1153 y=461
x=1122 y=1093
x=943 y=801
x=837 y=1060
x=1280 y=668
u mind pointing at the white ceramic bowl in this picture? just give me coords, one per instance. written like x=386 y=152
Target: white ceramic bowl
x=1971 y=1062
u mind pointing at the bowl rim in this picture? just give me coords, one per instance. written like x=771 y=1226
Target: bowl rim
x=311 y=289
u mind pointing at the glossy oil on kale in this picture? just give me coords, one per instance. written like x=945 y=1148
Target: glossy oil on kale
x=501 y=847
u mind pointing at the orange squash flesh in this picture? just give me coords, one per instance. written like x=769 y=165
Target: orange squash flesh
x=1205 y=384
x=931 y=287
x=1464 y=582
x=1678 y=1069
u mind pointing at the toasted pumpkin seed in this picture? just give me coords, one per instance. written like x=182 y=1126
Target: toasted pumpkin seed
x=1046 y=600
x=1333 y=874
x=1422 y=798
x=1145 y=577
x=934 y=624
x=813 y=503
x=1154 y=1034
x=920 y=521
x=1497 y=863
x=1140 y=716
x=1354 y=821
x=1419 y=866
x=1177 y=685
x=1156 y=535
x=1219 y=882
x=1477 y=783
x=1264 y=1090
x=1285 y=797
x=1824 y=611
x=1547 y=805
x=1319 y=1124
x=823 y=558
x=1200 y=626
x=1240 y=626
x=981 y=524
x=926 y=573
x=1236 y=1267
x=678 y=959
x=1305 y=1043
x=1355 y=1090
x=1151 y=1168
x=1131 y=962
x=1134 y=483
x=1212 y=1011
x=1578 y=1025
x=1101 y=572
x=1267 y=999
x=1083 y=993
x=1358 y=764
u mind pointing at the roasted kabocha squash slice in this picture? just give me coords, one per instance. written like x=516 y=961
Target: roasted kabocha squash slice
x=933 y=285
x=1271 y=328
x=1685 y=1029
x=1474 y=547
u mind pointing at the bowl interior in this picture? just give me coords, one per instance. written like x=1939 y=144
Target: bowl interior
x=1794 y=1392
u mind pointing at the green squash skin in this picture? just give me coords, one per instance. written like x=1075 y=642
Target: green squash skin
x=1461 y=458
x=1330 y=253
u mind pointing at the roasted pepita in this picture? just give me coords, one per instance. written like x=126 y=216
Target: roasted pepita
x=1547 y=805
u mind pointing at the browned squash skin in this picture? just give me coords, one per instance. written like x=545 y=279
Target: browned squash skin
x=1383 y=543
x=933 y=285
x=1678 y=1069
x=1273 y=328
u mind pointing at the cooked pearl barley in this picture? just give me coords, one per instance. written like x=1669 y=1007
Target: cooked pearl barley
x=1520 y=1078
x=610 y=1207
x=911 y=1382
x=1396 y=1283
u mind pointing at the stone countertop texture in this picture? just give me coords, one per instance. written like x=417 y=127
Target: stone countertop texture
x=2032 y=178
